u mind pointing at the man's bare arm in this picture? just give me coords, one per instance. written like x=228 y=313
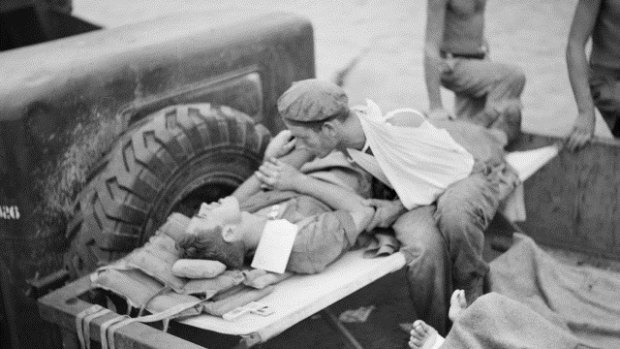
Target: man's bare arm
x=433 y=63
x=577 y=63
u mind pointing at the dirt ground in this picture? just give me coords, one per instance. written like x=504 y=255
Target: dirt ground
x=386 y=39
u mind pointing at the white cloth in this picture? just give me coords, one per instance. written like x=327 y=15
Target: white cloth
x=526 y=163
x=418 y=162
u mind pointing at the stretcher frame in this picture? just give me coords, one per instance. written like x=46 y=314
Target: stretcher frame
x=293 y=300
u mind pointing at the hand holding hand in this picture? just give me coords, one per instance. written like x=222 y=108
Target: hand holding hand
x=386 y=213
x=275 y=174
x=280 y=145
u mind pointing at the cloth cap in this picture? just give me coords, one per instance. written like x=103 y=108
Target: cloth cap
x=313 y=100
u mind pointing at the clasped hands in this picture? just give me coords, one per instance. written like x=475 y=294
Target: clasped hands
x=386 y=213
x=277 y=175
x=273 y=173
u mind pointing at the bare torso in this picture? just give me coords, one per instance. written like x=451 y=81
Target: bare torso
x=464 y=27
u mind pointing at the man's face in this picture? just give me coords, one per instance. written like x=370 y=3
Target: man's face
x=225 y=210
x=212 y=239
x=317 y=140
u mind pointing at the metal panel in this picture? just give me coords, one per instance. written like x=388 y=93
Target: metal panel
x=573 y=201
x=63 y=103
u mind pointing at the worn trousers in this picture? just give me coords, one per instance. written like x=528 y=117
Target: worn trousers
x=486 y=93
x=443 y=243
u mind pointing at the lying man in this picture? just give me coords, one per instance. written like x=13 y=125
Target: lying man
x=324 y=203
x=445 y=198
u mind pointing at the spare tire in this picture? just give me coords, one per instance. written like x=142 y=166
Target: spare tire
x=172 y=160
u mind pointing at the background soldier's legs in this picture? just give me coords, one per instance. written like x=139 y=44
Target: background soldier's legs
x=487 y=93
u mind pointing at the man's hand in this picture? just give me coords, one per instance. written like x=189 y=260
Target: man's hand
x=275 y=174
x=582 y=133
x=280 y=145
x=386 y=213
x=440 y=114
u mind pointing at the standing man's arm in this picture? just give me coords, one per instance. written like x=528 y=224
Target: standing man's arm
x=577 y=63
x=434 y=65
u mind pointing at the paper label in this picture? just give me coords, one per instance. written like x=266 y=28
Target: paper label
x=275 y=246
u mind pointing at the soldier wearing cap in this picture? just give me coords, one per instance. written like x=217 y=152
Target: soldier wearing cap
x=442 y=241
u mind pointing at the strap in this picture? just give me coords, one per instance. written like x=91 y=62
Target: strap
x=450 y=55
x=403 y=110
x=158 y=293
x=110 y=327
x=82 y=323
x=104 y=328
x=177 y=309
x=112 y=331
x=87 y=322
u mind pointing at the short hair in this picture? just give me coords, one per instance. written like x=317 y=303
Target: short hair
x=209 y=244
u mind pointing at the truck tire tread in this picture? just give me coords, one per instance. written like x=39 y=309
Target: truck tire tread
x=127 y=199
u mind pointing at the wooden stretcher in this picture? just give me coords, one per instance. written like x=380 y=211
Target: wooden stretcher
x=292 y=301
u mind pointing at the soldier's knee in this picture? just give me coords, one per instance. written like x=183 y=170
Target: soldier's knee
x=507 y=118
x=426 y=258
x=458 y=222
x=422 y=249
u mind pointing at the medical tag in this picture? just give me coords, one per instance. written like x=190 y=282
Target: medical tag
x=275 y=246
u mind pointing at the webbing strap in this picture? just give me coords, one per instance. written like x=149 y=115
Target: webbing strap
x=104 y=327
x=88 y=320
x=158 y=293
x=82 y=323
x=169 y=312
x=109 y=328
x=112 y=331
